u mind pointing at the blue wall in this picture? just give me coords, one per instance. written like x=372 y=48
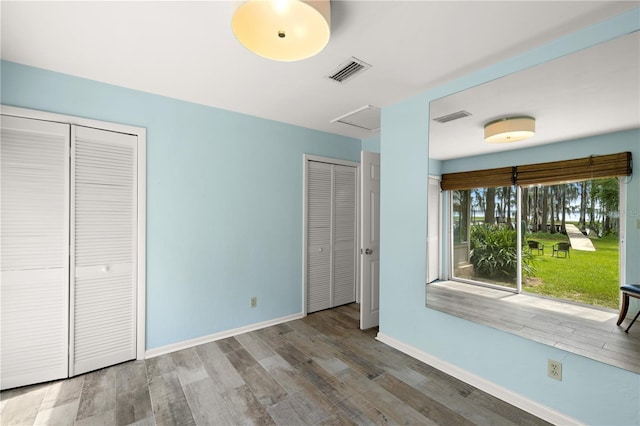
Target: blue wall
x=224 y=200
x=435 y=167
x=371 y=144
x=591 y=392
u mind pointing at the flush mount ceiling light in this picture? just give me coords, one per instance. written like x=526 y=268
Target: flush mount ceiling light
x=510 y=129
x=283 y=30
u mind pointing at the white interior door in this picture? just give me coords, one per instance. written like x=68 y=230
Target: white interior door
x=433 y=230
x=103 y=249
x=34 y=247
x=370 y=239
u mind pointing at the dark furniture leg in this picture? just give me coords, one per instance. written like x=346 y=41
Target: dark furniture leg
x=628 y=290
x=624 y=308
x=632 y=321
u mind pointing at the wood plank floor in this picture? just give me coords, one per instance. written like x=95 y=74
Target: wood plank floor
x=585 y=331
x=320 y=370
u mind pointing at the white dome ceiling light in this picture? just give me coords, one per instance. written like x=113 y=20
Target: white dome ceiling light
x=509 y=129
x=283 y=30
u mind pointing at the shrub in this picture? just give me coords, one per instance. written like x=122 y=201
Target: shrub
x=494 y=253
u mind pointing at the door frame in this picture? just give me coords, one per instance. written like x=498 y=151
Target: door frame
x=141 y=134
x=329 y=160
x=622 y=238
x=440 y=233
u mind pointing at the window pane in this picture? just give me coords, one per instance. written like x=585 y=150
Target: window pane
x=572 y=241
x=484 y=235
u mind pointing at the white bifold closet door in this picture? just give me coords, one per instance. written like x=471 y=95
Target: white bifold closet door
x=331 y=235
x=34 y=251
x=68 y=248
x=103 y=249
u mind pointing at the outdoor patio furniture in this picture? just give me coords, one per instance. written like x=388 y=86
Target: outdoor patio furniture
x=535 y=245
x=628 y=290
x=561 y=248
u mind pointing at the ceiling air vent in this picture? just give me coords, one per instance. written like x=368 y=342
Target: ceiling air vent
x=348 y=70
x=367 y=118
x=453 y=116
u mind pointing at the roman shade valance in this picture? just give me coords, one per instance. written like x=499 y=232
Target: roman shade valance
x=489 y=178
x=593 y=167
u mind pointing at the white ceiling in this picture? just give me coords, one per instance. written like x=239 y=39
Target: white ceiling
x=591 y=92
x=186 y=50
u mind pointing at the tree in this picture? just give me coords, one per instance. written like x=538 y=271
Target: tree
x=525 y=205
x=478 y=196
x=545 y=208
x=583 y=204
x=564 y=206
x=552 y=196
x=607 y=196
x=536 y=210
x=508 y=199
x=572 y=195
x=490 y=206
x=592 y=206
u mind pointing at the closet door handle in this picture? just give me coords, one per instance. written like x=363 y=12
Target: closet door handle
x=105 y=268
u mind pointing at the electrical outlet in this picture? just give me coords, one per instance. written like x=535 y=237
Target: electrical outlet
x=554 y=369
x=254 y=301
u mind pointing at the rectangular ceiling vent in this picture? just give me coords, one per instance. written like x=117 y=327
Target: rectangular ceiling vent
x=367 y=118
x=453 y=116
x=349 y=69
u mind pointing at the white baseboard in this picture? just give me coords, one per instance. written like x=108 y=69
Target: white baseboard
x=481 y=383
x=151 y=353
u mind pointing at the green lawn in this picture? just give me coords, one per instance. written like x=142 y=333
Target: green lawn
x=589 y=277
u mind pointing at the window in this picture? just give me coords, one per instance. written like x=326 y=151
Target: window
x=485 y=236
x=514 y=236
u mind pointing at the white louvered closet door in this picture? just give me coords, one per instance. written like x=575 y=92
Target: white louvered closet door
x=344 y=234
x=103 y=249
x=34 y=248
x=319 y=207
x=331 y=235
